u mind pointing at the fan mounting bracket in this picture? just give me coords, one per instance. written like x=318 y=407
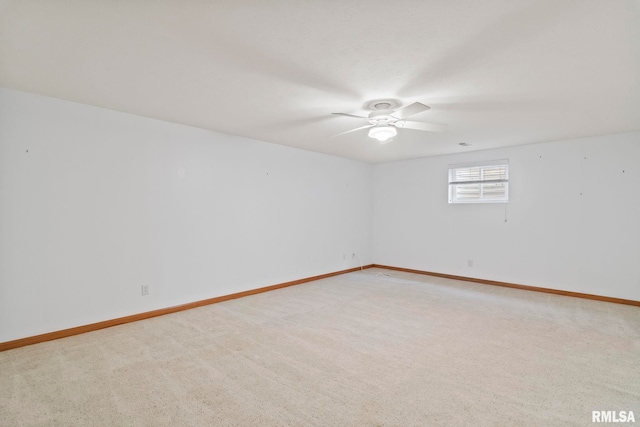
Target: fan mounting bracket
x=382 y=104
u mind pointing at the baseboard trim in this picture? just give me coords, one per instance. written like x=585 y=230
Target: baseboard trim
x=50 y=336
x=515 y=286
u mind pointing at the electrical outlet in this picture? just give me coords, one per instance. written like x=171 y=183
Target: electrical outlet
x=344 y=257
x=469 y=263
x=145 y=289
x=353 y=255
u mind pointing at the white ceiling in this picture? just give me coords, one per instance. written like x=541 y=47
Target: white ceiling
x=497 y=72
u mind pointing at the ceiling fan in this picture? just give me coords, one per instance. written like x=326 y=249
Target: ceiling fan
x=384 y=120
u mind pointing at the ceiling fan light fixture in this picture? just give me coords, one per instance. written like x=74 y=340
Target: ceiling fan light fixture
x=382 y=133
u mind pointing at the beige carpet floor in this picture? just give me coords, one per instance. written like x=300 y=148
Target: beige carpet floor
x=362 y=349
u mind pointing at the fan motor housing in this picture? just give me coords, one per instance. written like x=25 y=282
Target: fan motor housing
x=381 y=116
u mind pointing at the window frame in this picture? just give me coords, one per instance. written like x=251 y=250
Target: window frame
x=480 y=181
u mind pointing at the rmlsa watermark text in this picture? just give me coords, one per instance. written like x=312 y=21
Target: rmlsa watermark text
x=612 y=417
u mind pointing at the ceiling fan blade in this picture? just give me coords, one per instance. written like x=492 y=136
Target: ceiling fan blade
x=352 y=130
x=432 y=127
x=349 y=115
x=410 y=110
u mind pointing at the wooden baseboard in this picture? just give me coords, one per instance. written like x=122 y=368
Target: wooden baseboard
x=514 y=285
x=8 y=345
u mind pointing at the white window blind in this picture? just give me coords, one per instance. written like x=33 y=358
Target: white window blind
x=485 y=182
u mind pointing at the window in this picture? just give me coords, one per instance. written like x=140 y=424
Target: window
x=483 y=182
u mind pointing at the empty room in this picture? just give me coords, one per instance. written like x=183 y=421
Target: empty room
x=319 y=213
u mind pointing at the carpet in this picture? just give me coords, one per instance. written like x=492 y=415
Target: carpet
x=368 y=348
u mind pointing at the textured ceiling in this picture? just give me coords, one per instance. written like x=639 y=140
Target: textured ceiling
x=497 y=72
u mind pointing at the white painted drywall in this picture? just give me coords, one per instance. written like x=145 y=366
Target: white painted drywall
x=573 y=219
x=96 y=203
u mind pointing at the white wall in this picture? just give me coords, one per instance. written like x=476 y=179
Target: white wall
x=95 y=203
x=573 y=220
